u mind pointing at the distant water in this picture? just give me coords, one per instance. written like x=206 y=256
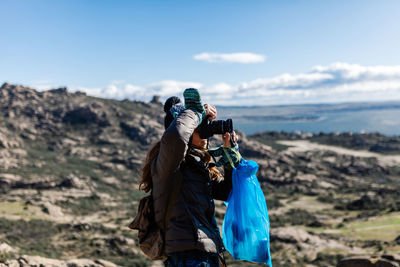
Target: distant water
x=385 y=121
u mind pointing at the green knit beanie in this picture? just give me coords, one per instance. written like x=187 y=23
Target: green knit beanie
x=193 y=102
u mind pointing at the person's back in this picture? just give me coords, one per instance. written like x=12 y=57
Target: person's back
x=192 y=233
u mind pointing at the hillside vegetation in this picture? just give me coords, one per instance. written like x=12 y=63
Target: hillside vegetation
x=69 y=167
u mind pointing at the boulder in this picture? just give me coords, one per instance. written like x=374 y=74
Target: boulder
x=105 y=263
x=61 y=91
x=5 y=248
x=10 y=263
x=142 y=130
x=83 y=263
x=8 y=180
x=124 y=246
x=39 y=261
x=309 y=244
x=52 y=210
x=37 y=183
x=86 y=115
x=7 y=140
x=156 y=99
x=252 y=148
x=292 y=235
x=365 y=202
x=359 y=261
x=71 y=181
x=3 y=141
x=305 y=178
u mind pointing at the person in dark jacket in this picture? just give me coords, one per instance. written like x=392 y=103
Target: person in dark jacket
x=192 y=237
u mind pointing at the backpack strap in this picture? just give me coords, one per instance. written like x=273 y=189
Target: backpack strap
x=229 y=157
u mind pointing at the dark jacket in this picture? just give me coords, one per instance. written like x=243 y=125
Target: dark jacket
x=192 y=223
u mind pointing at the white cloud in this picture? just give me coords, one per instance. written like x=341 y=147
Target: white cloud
x=287 y=81
x=244 y=58
x=219 y=88
x=220 y=92
x=120 y=90
x=336 y=74
x=171 y=87
x=355 y=72
x=116 y=91
x=338 y=82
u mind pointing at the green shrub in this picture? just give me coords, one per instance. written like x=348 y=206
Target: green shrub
x=293 y=217
x=32 y=237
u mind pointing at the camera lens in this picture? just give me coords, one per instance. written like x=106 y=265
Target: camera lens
x=209 y=128
x=228 y=126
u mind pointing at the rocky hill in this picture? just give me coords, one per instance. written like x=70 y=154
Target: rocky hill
x=69 y=165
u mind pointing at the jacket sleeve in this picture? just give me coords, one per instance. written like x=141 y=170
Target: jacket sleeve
x=174 y=143
x=221 y=188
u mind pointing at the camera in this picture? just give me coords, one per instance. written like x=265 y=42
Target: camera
x=209 y=128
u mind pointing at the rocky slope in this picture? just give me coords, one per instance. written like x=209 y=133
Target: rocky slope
x=69 y=165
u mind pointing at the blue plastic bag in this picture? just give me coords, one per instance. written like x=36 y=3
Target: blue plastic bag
x=245 y=229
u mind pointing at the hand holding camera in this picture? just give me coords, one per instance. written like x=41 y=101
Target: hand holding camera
x=226 y=139
x=211 y=111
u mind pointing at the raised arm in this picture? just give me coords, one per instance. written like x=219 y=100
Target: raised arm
x=222 y=187
x=174 y=142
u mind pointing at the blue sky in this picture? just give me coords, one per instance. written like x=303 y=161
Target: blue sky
x=235 y=52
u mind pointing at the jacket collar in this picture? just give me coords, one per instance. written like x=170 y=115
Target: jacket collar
x=195 y=158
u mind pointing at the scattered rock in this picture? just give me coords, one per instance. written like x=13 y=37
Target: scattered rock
x=3 y=141
x=72 y=181
x=325 y=185
x=367 y=201
x=309 y=244
x=52 y=210
x=291 y=235
x=37 y=183
x=359 y=261
x=86 y=115
x=80 y=93
x=83 y=263
x=70 y=127
x=111 y=181
x=61 y=91
x=156 y=99
x=39 y=261
x=10 y=263
x=8 y=180
x=143 y=130
x=306 y=178
x=252 y=148
x=8 y=141
x=105 y=263
x=123 y=245
x=5 y=248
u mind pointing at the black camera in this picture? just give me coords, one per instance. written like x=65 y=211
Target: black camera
x=209 y=128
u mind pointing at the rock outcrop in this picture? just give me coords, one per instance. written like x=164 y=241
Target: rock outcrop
x=366 y=262
x=70 y=164
x=37 y=261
